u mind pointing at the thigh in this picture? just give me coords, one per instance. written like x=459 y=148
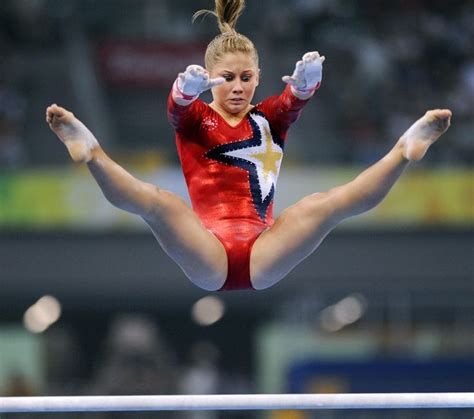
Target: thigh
x=296 y=233
x=188 y=242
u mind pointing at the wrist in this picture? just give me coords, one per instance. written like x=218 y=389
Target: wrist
x=304 y=93
x=179 y=94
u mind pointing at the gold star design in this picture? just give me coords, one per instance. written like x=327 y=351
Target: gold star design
x=269 y=158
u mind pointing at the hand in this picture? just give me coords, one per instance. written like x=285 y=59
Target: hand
x=194 y=81
x=307 y=75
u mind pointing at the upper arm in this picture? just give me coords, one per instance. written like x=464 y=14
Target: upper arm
x=282 y=111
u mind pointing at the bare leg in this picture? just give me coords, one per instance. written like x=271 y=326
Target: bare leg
x=301 y=228
x=176 y=227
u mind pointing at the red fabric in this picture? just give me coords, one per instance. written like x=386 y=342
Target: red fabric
x=237 y=239
x=230 y=189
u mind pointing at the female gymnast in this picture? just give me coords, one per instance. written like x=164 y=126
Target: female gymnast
x=231 y=152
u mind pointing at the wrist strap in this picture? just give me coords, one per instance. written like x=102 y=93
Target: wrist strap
x=308 y=91
x=180 y=94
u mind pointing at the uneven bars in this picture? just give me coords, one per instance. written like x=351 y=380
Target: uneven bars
x=237 y=402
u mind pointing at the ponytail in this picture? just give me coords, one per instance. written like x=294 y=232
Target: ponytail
x=229 y=40
x=227 y=13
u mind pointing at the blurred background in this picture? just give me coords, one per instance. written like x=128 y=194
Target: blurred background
x=89 y=304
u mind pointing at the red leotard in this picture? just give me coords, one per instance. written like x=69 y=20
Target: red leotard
x=231 y=172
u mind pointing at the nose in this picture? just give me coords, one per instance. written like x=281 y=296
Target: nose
x=237 y=87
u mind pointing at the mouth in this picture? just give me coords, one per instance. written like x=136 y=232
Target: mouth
x=236 y=100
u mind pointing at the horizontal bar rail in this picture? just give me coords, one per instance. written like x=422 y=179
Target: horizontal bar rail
x=237 y=402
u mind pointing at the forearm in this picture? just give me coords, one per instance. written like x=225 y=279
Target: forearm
x=183 y=117
x=119 y=187
x=283 y=110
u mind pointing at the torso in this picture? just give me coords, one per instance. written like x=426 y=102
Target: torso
x=231 y=166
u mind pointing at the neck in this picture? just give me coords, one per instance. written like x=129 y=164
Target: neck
x=231 y=118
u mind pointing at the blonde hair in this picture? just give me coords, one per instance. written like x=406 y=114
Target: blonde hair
x=227 y=13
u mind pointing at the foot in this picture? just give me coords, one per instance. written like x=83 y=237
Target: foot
x=73 y=133
x=424 y=132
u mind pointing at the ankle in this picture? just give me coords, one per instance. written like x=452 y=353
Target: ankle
x=400 y=149
x=96 y=154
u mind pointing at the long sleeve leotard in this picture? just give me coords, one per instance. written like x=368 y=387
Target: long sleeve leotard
x=231 y=171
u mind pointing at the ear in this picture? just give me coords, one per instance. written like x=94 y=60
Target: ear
x=258 y=77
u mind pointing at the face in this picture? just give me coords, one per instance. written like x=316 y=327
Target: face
x=241 y=75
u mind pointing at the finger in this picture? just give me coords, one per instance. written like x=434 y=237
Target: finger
x=289 y=80
x=299 y=71
x=191 y=71
x=200 y=72
x=311 y=56
x=196 y=70
x=192 y=67
x=216 y=82
x=299 y=66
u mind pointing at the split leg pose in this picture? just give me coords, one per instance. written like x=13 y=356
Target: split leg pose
x=296 y=233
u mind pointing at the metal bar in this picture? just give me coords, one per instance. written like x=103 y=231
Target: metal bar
x=237 y=402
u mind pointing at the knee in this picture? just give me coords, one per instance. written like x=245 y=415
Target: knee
x=166 y=203
x=320 y=206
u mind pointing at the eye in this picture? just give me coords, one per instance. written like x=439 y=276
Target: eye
x=246 y=77
x=228 y=77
